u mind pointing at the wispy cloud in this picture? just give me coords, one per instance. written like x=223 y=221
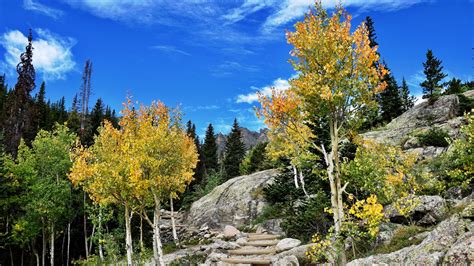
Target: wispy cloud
x=169 y=49
x=290 y=10
x=229 y=68
x=42 y=9
x=279 y=84
x=52 y=55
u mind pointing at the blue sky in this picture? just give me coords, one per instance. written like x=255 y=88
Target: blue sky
x=211 y=56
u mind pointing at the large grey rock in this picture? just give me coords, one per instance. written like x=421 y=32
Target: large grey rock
x=238 y=201
x=402 y=130
x=450 y=241
x=287 y=244
x=429 y=210
x=272 y=226
x=230 y=231
x=286 y=261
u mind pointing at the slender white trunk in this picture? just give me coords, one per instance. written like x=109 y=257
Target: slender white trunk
x=157 y=247
x=68 y=242
x=43 y=251
x=101 y=254
x=85 y=227
x=52 y=245
x=128 y=236
x=295 y=173
x=173 y=224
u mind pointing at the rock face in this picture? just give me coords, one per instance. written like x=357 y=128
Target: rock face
x=287 y=244
x=451 y=243
x=236 y=202
x=429 y=210
x=249 y=138
x=402 y=130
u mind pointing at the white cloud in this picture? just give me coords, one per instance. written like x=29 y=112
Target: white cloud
x=43 y=9
x=52 y=56
x=170 y=49
x=279 y=84
x=289 y=10
x=228 y=68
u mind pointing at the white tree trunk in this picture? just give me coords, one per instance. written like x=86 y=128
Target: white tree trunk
x=101 y=254
x=68 y=242
x=52 y=245
x=157 y=247
x=128 y=236
x=43 y=251
x=173 y=224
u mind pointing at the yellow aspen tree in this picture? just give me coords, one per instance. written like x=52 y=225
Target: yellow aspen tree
x=109 y=171
x=167 y=159
x=337 y=80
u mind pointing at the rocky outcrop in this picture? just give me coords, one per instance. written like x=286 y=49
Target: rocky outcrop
x=403 y=130
x=428 y=210
x=451 y=242
x=236 y=202
x=249 y=138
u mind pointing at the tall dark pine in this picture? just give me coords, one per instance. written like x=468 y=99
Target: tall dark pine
x=73 y=120
x=234 y=152
x=209 y=151
x=199 y=170
x=110 y=116
x=3 y=100
x=42 y=108
x=407 y=99
x=96 y=118
x=390 y=101
x=454 y=86
x=19 y=100
x=434 y=75
x=369 y=23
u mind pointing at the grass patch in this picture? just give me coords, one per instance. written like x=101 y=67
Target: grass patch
x=195 y=259
x=169 y=248
x=403 y=237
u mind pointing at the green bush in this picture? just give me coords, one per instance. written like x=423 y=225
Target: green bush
x=188 y=260
x=302 y=217
x=434 y=137
x=466 y=104
x=208 y=184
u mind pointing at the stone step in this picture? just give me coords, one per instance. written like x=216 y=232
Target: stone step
x=262 y=243
x=252 y=251
x=262 y=237
x=251 y=261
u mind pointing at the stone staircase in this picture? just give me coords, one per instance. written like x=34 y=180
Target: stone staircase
x=256 y=249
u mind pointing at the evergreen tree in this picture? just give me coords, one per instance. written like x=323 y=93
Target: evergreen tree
x=209 y=151
x=110 y=116
x=370 y=28
x=234 y=152
x=3 y=99
x=96 y=117
x=434 y=75
x=255 y=160
x=19 y=100
x=407 y=99
x=74 y=121
x=42 y=109
x=390 y=100
x=454 y=87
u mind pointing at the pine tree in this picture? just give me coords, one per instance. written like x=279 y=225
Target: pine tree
x=390 y=100
x=255 y=160
x=454 y=86
x=209 y=151
x=96 y=118
x=110 y=116
x=73 y=121
x=370 y=28
x=234 y=152
x=434 y=75
x=407 y=99
x=19 y=101
x=3 y=100
x=42 y=109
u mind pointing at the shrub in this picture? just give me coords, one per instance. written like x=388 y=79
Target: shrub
x=434 y=137
x=455 y=167
x=466 y=104
x=200 y=190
